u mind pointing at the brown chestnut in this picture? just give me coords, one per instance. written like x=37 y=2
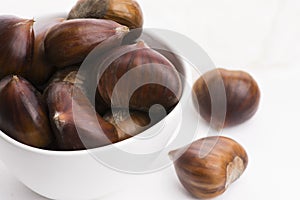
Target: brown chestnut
x=64 y=100
x=23 y=113
x=242 y=96
x=128 y=124
x=140 y=77
x=68 y=43
x=16 y=39
x=70 y=74
x=210 y=165
x=41 y=70
x=126 y=12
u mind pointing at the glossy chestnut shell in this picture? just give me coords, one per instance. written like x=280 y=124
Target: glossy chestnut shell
x=68 y=43
x=139 y=78
x=242 y=96
x=16 y=49
x=87 y=130
x=126 y=12
x=23 y=114
x=125 y=123
x=210 y=165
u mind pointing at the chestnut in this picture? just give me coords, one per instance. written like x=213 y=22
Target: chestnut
x=17 y=40
x=64 y=101
x=68 y=43
x=126 y=12
x=242 y=96
x=210 y=165
x=139 y=78
x=70 y=74
x=41 y=70
x=128 y=124
x=23 y=114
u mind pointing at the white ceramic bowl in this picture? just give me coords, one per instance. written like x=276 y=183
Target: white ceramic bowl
x=77 y=175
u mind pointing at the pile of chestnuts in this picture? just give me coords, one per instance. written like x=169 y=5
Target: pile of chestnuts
x=39 y=70
x=43 y=103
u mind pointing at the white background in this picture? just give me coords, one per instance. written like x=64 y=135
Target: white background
x=259 y=36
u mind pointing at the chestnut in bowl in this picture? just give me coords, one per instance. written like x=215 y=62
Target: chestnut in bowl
x=79 y=174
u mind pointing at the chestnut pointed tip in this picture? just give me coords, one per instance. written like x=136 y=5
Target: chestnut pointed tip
x=174 y=155
x=58 y=119
x=122 y=29
x=30 y=20
x=234 y=170
x=141 y=44
x=177 y=153
x=25 y=22
x=56 y=116
x=15 y=78
x=171 y=155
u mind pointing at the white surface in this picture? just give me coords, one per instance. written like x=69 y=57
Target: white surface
x=260 y=36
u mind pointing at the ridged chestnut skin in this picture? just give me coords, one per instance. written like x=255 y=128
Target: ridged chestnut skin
x=68 y=43
x=16 y=39
x=242 y=96
x=152 y=79
x=69 y=74
x=41 y=70
x=23 y=114
x=63 y=99
x=126 y=12
x=120 y=120
x=209 y=174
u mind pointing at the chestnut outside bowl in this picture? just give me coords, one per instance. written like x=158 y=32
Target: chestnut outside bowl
x=77 y=175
